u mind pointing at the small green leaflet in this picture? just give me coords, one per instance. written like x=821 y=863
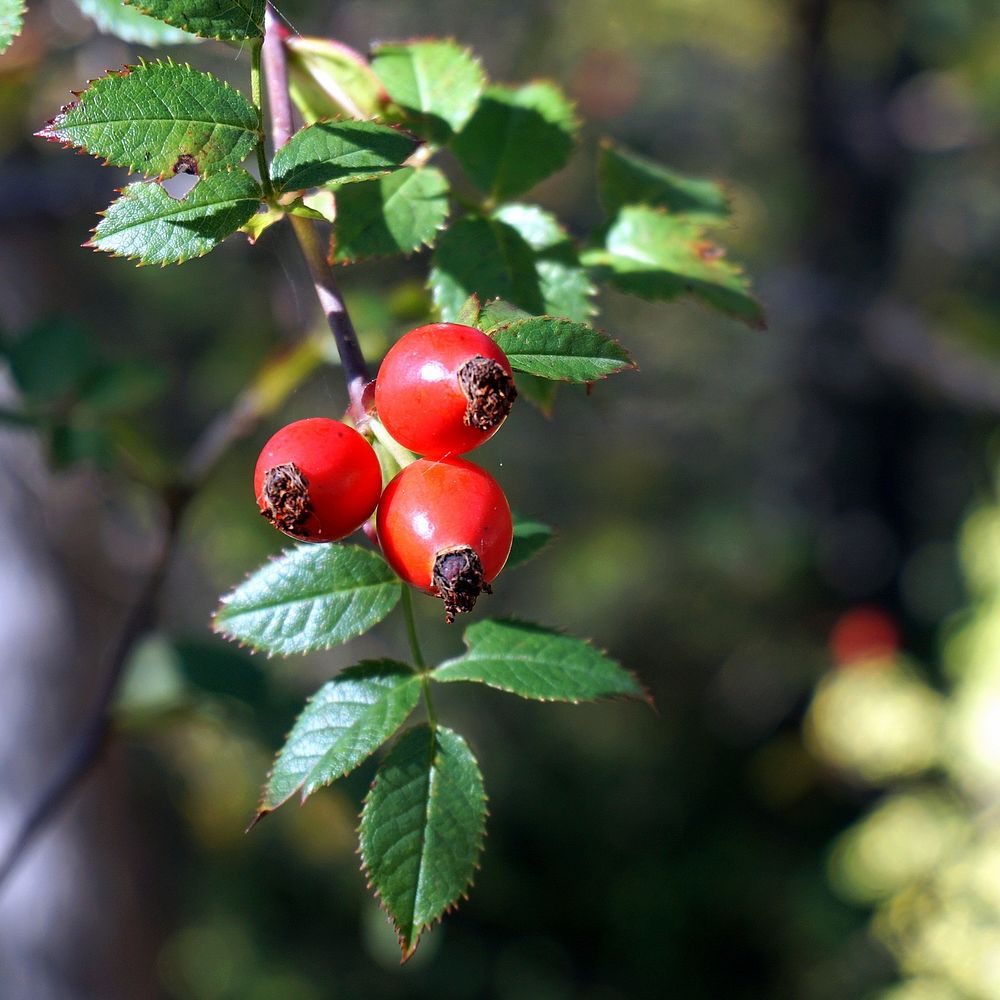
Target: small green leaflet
x=535 y=662
x=11 y=22
x=435 y=84
x=485 y=257
x=336 y=151
x=516 y=138
x=422 y=829
x=113 y=17
x=346 y=721
x=530 y=537
x=397 y=213
x=157 y=119
x=625 y=178
x=329 y=80
x=310 y=597
x=653 y=254
x=561 y=349
x=227 y=20
x=564 y=282
x=146 y=224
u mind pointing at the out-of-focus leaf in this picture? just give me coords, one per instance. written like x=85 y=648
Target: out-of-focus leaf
x=227 y=20
x=516 y=138
x=311 y=597
x=530 y=537
x=146 y=224
x=434 y=83
x=329 y=80
x=540 y=392
x=216 y=669
x=51 y=360
x=122 y=386
x=398 y=213
x=11 y=22
x=422 y=829
x=113 y=17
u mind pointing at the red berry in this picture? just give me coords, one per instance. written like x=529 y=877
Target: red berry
x=444 y=389
x=317 y=480
x=445 y=527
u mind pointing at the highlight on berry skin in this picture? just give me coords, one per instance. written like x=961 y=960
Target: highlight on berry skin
x=317 y=480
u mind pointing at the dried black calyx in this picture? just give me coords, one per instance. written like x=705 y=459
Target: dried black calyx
x=489 y=392
x=285 y=499
x=458 y=577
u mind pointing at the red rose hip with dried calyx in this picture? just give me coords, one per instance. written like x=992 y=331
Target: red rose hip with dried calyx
x=444 y=389
x=317 y=480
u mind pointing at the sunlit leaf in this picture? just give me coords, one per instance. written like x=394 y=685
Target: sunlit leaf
x=329 y=80
x=11 y=22
x=113 y=17
x=228 y=20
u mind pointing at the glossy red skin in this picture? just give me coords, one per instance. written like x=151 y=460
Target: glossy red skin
x=436 y=505
x=417 y=394
x=342 y=470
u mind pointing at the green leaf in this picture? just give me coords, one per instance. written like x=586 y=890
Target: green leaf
x=122 y=386
x=497 y=312
x=435 y=84
x=516 y=138
x=561 y=349
x=329 y=80
x=336 y=151
x=470 y=312
x=422 y=829
x=52 y=360
x=11 y=22
x=146 y=224
x=159 y=118
x=564 y=282
x=530 y=537
x=625 y=178
x=113 y=17
x=311 y=597
x=346 y=721
x=485 y=257
x=659 y=256
x=397 y=213
x=535 y=662
x=540 y=392
x=228 y=20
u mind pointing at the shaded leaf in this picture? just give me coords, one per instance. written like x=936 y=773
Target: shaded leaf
x=343 y=723
x=228 y=20
x=422 y=829
x=397 y=213
x=485 y=257
x=311 y=597
x=435 y=84
x=159 y=118
x=625 y=178
x=330 y=80
x=113 y=17
x=530 y=537
x=535 y=662
x=146 y=224
x=11 y=22
x=540 y=392
x=123 y=385
x=659 y=256
x=561 y=349
x=52 y=360
x=516 y=138
x=335 y=151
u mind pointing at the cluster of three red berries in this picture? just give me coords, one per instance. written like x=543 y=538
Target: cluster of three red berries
x=443 y=524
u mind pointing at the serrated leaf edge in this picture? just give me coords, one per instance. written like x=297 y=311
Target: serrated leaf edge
x=180 y=27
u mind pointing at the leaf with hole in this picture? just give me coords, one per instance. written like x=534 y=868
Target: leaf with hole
x=157 y=119
x=535 y=662
x=422 y=829
x=397 y=213
x=226 y=20
x=516 y=138
x=147 y=225
x=343 y=723
x=434 y=84
x=114 y=17
x=311 y=597
x=338 y=151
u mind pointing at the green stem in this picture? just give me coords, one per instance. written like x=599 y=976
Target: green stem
x=402 y=457
x=411 y=628
x=257 y=96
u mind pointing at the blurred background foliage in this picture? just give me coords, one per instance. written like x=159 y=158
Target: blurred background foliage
x=792 y=536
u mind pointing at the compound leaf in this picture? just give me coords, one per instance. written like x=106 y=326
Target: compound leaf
x=422 y=829
x=227 y=20
x=11 y=22
x=435 y=84
x=336 y=151
x=625 y=178
x=159 y=118
x=516 y=138
x=561 y=349
x=330 y=80
x=397 y=213
x=486 y=257
x=655 y=255
x=147 y=224
x=311 y=597
x=535 y=662
x=113 y=17
x=343 y=723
